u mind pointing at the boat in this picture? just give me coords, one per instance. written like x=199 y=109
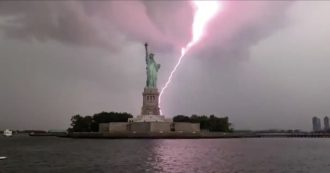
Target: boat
x=8 y=133
x=3 y=157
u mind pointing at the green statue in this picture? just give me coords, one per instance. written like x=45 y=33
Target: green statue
x=152 y=69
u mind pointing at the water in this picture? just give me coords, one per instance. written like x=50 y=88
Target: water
x=254 y=155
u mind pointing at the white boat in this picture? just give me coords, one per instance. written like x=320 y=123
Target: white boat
x=8 y=133
x=3 y=157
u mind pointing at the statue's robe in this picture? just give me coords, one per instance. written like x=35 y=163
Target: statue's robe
x=152 y=69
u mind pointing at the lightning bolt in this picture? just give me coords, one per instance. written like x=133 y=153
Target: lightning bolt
x=204 y=11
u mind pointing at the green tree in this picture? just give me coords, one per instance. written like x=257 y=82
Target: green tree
x=218 y=124
x=211 y=123
x=181 y=118
x=80 y=124
x=91 y=123
x=107 y=117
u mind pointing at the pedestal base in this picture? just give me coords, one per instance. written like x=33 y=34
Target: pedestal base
x=150 y=118
x=150 y=102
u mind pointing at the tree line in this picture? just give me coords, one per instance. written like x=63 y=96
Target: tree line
x=91 y=123
x=211 y=123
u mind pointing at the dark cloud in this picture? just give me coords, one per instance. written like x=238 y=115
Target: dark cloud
x=107 y=24
x=165 y=24
x=234 y=31
x=66 y=22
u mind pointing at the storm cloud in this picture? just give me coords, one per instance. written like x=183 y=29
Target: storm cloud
x=59 y=58
x=164 y=24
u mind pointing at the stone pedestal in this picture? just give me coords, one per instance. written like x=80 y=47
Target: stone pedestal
x=150 y=111
x=150 y=118
x=150 y=102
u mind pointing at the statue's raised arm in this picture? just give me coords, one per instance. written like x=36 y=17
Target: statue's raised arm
x=147 y=54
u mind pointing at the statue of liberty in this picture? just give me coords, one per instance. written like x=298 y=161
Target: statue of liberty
x=152 y=69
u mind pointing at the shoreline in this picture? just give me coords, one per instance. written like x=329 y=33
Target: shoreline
x=208 y=135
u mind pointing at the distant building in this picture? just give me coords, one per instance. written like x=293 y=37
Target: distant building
x=316 y=124
x=326 y=123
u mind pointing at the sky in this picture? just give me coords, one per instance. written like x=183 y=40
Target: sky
x=264 y=64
